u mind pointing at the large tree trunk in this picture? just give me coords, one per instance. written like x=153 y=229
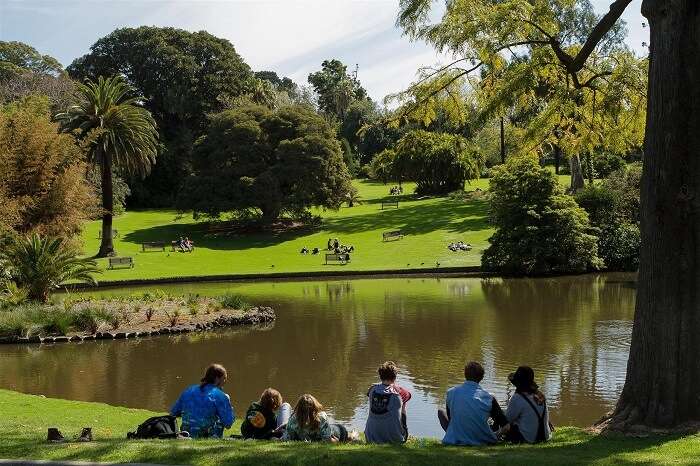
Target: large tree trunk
x=663 y=371
x=107 y=244
x=577 y=180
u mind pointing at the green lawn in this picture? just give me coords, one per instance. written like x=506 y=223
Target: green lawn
x=429 y=224
x=26 y=418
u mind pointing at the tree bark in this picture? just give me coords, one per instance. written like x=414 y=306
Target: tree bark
x=663 y=371
x=503 y=141
x=577 y=180
x=107 y=244
x=557 y=159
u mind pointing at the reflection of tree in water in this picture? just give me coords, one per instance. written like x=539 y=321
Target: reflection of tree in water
x=556 y=324
x=460 y=289
x=331 y=347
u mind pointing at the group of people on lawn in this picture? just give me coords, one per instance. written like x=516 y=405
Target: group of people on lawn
x=333 y=245
x=185 y=244
x=472 y=415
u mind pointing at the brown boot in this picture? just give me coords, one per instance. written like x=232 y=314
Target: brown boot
x=55 y=436
x=85 y=435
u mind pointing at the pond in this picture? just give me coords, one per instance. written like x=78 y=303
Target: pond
x=330 y=336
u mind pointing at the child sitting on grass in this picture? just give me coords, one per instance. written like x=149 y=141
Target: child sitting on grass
x=311 y=424
x=266 y=418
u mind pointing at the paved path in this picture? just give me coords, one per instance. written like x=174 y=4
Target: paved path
x=68 y=463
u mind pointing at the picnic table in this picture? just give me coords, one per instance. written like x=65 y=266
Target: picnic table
x=394 y=234
x=117 y=262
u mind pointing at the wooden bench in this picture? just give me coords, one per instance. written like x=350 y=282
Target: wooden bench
x=394 y=204
x=396 y=234
x=340 y=258
x=115 y=233
x=115 y=262
x=153 y=245
x=174 y=246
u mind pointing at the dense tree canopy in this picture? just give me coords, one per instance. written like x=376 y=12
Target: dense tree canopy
x=335 y=88
x=183 y=76
x=539 y=229
x=42 y=173
x=276 y=162
x=17 y=58
x=439 y=163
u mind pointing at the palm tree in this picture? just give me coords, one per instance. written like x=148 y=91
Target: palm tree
x=120 y=133
x=40 y=264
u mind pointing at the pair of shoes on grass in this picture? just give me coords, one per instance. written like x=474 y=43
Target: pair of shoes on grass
x=55 y=436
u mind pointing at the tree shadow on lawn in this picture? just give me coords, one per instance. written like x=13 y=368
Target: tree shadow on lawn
x=576 y=448
x=455 y=217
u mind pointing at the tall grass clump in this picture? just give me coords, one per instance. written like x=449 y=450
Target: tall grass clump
x=88 y=320
x=233 y=301
x=53 y=319
x=17 y=322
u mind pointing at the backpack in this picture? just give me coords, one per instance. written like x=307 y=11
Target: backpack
x=156 y=427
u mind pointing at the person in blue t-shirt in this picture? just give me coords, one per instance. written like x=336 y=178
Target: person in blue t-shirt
x=469 y=407
x=205 y=409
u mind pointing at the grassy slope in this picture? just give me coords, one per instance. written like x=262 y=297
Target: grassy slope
x=26 y=418
x=429 y=224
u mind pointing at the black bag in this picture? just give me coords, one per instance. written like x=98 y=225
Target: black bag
x=156 y=427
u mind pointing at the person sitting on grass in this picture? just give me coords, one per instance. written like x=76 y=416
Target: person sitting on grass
x=205 y=408
x=315 y=251
x=310 y=423
x=386 y=422
x=469 y=407
x=527 y=411
x=304 y=250
x=266 y=418
x=330 y=244
x=181 y=244
x=189 y=245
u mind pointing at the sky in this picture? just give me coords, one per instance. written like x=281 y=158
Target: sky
x=290 y=37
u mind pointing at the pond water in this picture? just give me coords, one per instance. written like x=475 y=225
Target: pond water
x=330 y=336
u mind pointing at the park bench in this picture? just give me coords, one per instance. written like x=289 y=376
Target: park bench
x=340 y=258
x=174 y=246
x=394 y=204
x=115 y=262
x=153 y=245
x=115 y=233
x=395 y=234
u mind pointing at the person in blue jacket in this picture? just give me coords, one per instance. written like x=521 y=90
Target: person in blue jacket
x=205 y=409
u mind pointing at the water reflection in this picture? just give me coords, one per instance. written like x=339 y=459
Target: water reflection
x=330 y=336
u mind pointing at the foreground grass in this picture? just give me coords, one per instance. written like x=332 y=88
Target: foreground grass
x=26 y=418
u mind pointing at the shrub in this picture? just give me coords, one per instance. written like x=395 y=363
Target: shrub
x=599 y=201
x=15 y=322
x=539 y=229
x=54 y=320
x=619 y=247
x=173 y=317
x=233 y=301
x=150 y=310
x=13 y=295
x=605 y=163
x=89 y=320
x=112 y=318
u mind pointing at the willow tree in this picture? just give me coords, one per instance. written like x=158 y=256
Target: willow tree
x=511 y=51
x=663 y=370
x=120 y=135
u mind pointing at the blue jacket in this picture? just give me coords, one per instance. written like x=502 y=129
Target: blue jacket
x=205 y=411
x=469 y=406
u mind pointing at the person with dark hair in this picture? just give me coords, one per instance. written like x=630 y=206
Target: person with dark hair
x=205 y=408
x=266 y=418
x=527 y=411
x=386 y=422
x=469 y=407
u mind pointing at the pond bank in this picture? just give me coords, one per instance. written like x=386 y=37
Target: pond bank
x=27 y=417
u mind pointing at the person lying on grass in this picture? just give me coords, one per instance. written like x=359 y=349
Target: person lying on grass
x=266 y=418
x=311 y=424
x=205 y=409
x=469 y=407
x=386 y=422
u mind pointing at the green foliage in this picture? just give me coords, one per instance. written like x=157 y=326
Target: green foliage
x=17 y=321
x=13 y=295
x=17 y=58
x=614 y=207
x=335 y=88
x=252 y=158
x=89 y=319
x=439 y=163
x=54 y=320
x=540 y=230
x=605 y=163
x=233 y=301
x=186 y=76
x=41 y=264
